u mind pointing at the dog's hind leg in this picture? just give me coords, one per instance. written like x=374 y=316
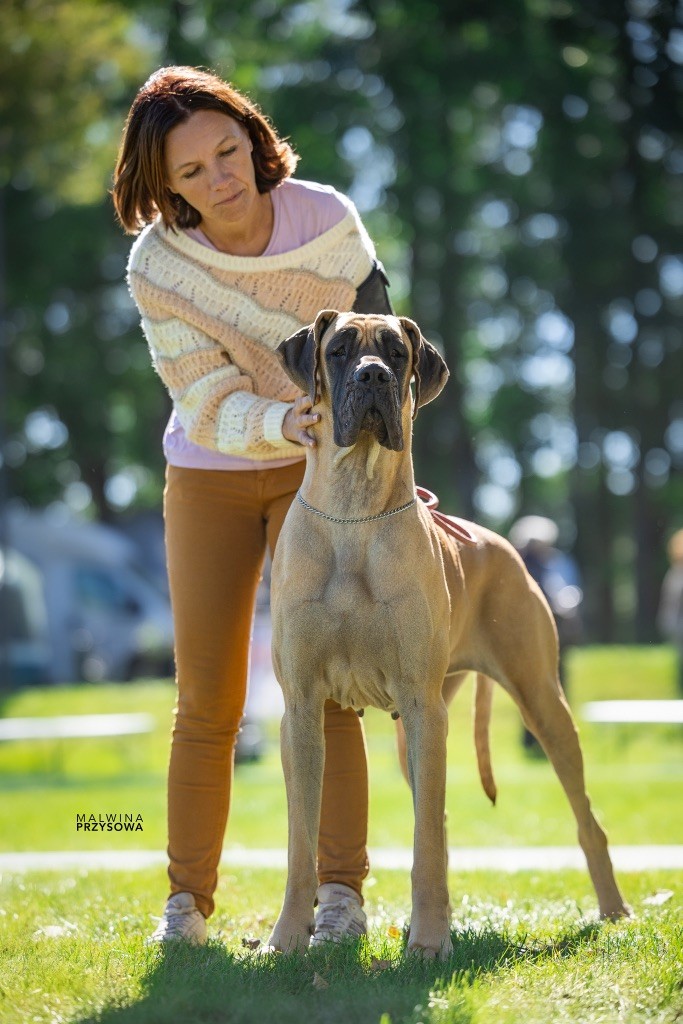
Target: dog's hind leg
x=547 y=715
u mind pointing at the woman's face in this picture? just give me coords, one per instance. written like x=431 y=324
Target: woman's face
x=208 y=162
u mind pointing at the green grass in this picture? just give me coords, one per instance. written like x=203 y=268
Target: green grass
x=634 y=772
x=527 y=946
x=525 y=951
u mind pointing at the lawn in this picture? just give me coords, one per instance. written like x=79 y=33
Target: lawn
x=634 y=772
x=527 y=949
x=527 y=945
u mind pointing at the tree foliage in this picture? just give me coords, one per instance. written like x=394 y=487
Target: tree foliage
x=80 y=395
x=64 y=71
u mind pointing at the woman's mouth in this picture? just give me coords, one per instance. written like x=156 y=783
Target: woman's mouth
x=229 y=199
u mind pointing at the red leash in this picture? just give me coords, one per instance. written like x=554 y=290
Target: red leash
x=457 y=528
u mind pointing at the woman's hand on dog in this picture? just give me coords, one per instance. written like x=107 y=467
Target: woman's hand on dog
x=297 y=420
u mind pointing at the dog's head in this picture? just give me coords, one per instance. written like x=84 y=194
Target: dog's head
x=363 y=364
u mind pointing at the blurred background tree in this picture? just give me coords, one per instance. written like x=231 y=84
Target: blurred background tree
x=520 y=168
x=79 y=402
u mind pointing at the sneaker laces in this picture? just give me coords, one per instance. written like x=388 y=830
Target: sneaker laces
x=173 y=923
x=339 y=918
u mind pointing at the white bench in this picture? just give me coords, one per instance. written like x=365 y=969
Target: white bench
x=64 y=727
x=662 y=712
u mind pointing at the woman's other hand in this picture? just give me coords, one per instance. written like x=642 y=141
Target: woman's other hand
x=297 y=420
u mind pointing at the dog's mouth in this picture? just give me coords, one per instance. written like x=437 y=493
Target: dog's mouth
x=375 y=411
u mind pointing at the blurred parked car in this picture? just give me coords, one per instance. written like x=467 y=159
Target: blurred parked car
x=146 y=530
x=105 y=620
x=25 y=649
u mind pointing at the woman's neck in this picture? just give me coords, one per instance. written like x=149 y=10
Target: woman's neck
x=249 y=237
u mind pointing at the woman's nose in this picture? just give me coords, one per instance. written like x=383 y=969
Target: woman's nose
x=220 y=177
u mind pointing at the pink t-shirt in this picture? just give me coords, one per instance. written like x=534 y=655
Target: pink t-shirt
x=302 y=210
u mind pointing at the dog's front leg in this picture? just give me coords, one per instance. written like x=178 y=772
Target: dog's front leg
x=426 y=726
x=303 y=758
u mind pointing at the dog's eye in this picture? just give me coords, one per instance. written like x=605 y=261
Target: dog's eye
x=396 y=353
x=337 y=353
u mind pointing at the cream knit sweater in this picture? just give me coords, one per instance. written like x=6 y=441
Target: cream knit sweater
x=213 y=322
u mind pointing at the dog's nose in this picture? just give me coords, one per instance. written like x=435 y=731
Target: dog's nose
x=372 y=373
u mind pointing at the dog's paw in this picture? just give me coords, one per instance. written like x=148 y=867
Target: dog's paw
x=430 y=947
x=616 y=913
x=285 y=939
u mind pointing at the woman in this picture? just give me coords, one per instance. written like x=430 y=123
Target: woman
x=234 y=255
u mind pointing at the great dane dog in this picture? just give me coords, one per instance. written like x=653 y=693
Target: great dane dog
x=375 y=604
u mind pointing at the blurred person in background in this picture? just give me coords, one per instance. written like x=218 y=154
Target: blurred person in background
x=670 y=613
x=557 y=574
x=233 y=255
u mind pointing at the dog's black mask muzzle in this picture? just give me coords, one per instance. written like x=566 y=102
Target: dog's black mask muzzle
x=368 y=399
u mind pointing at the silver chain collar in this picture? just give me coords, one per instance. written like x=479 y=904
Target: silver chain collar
x=364 y=519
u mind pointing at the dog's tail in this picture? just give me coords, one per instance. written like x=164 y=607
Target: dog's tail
x=483 y=699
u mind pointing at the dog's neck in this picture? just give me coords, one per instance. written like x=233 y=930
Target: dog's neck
x=363 y=480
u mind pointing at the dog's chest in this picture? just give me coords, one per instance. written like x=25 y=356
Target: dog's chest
x=360 y=627
x=363 y=580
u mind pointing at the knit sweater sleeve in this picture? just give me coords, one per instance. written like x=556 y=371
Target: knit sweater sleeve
x=214 y=399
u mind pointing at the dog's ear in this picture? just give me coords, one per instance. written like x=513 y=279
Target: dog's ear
x=300 y=353
x=429 y=368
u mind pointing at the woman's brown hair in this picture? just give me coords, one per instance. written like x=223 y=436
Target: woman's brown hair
x=166 y=99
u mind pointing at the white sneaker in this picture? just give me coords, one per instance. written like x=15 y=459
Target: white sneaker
x=339 y=915
x=181 y=921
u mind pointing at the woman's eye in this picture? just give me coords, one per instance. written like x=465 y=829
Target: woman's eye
x=228 y=152
x=190 y=174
